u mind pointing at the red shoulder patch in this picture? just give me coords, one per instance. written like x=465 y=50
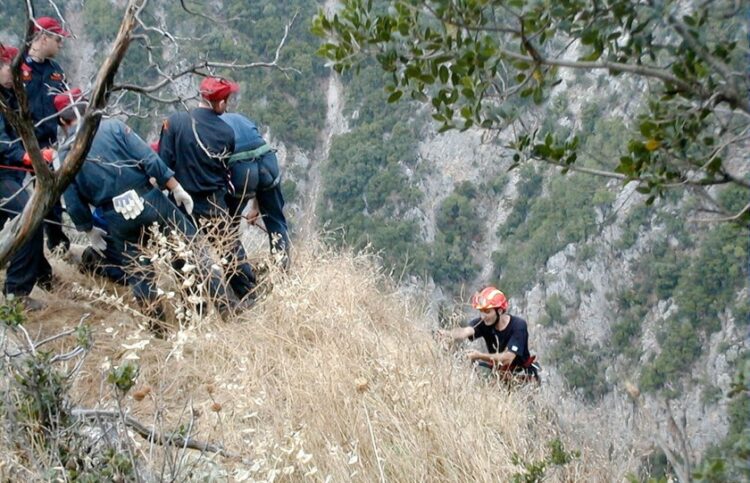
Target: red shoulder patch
x=57 y=76
x=25 y=73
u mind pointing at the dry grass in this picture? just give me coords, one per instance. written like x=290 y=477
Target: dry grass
x=333 y=376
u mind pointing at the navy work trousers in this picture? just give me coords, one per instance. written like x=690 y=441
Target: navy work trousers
x=213 y=206
x=271 y=207
x=125 y=235
x=28 y=265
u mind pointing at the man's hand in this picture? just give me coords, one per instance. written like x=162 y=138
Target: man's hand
x=182 y=198
x=96 y=237
x=473 y=355
x=443 y=335
x=48 y=155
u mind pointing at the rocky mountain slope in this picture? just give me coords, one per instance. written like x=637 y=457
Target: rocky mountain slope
x=601 y=302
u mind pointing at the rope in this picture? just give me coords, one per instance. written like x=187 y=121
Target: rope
x=16 y=168
x=14 y=212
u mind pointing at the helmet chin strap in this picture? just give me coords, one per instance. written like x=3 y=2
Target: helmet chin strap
x=499 y=313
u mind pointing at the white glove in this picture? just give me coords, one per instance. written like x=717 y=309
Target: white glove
x=182 y=198
x=96 y=237
x=129 y=204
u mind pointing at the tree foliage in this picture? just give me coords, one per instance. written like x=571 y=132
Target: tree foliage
x=471 y=60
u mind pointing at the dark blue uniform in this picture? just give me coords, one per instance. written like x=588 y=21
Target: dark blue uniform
x=119 y=161
x=202 y=172
x=28 y=265
x=43 y=80
x=259 y=176
x=200 y=167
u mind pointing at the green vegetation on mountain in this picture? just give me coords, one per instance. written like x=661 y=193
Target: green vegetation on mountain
x=468 y=60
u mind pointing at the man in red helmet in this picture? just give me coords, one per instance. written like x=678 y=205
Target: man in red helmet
x=196 y=145
x=28 y=265
x=506 y=336
x=43 y=79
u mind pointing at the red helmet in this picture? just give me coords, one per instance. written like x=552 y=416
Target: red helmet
x=7 y=54
x=214 y=89
x=64 y=99
x=489 y=298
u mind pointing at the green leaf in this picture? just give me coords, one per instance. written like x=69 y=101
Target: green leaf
x=395 y=96
x=412 y=71
x=444 y=74
x=626 y=166
x=592 y=56
x=715 y=165
x=643 y=189
x=427 y=79
x=647 y=129
x=549 y=139
x=468 y=93
x=542 y=151
x=589 y=36
x=538 y=95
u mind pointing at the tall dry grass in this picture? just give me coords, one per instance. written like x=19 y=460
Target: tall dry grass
x=332 y=376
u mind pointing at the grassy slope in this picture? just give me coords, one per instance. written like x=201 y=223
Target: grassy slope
x=333 y=373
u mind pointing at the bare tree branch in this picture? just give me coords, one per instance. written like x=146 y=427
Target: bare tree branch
x=736 y=217
x=199 y=68
x=152 y=435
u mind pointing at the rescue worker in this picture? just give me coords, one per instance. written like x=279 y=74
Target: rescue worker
x=255 y=177
x=115 y=179
x=27 y=266
x=506 y=336
x=44 y=78
x=197 y=145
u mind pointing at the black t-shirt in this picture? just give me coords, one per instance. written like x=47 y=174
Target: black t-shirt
x=514 y=338
x=199 y=170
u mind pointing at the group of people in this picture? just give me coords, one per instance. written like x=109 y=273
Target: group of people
x=214 y=165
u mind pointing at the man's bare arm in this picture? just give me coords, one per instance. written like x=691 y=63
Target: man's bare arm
x=458 y=333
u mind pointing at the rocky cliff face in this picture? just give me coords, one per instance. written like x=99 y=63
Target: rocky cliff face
x=454 y=157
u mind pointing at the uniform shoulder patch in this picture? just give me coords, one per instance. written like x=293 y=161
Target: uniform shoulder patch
x=57 y=76
x=25 y=73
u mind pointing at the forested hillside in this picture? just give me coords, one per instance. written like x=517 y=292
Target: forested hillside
x=622 y=287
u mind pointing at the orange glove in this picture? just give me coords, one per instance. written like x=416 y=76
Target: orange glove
x=47 y=154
